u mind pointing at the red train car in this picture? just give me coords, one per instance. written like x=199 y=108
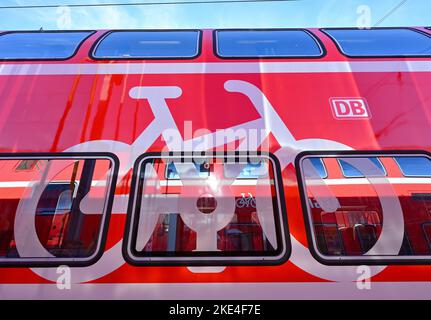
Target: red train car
x=215 y=164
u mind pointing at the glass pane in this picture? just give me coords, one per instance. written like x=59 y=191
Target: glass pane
x=381 y=42
x=149 y=44
x=54 y=210
x=350 y=171
x=318 y=165
x=172 y=173
x=251 y=170
x=414 y=166
x=380 y=217
x=215 y=214
x=267 y=43
x=40 y=45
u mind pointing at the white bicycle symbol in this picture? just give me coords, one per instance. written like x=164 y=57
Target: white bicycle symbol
x=270 y=122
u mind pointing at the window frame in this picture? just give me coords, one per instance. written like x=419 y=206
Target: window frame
x=311 y=238
x=281 y=221
x=340 y=49
x=316 y=39
x=101 y=241
x=362 y=176
x=98 y=41
x=78 y=47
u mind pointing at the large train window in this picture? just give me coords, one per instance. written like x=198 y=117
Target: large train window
x=381 y=42
x=56 y=210
x=369 y=218
x=40 y=45
x=266 y=43
x=148 y=45
x=215 y=218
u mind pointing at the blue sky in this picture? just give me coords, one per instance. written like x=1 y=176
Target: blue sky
x=301 y=13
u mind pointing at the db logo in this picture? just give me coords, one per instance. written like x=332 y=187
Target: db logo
x=350 y=108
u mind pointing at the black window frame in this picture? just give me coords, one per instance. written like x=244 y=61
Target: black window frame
x=73 y=261
x=340 y=50
x=106 y=34
x=316 y=39
x=351 y=260
x=78 y=47
x=129 y=238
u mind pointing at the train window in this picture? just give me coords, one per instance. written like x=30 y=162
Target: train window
x=350 y=171
x=148 y=44
x=381 y=42
x=373 y=220
x=212 y=219
x=57 y=212
x=266 y=43
x=40 y=45
x=414 y=166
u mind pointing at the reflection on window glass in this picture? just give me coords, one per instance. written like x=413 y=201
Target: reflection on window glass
x=148 y=44
x=27 y=165
x=253 y=170
x=319 y=166
x=202 y=168
x=65 y=201
x=381 y=42
x=56 y=196
x=267 y=43
x=350 y=171
x=414 y=166
x=40 y=45
x=214 y=217
x=329 y=240
x=347 y=216
x=316 y=167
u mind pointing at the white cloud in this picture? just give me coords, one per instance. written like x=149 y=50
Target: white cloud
x=162 y=17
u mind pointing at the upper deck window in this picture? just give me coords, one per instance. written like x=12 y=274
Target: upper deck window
x=266 y=43
x=414 y=166
x=381 y=42
x=40 y=45
x=148 y=44
x=349 y=171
